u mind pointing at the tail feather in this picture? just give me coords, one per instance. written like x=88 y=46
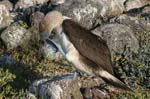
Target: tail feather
x=109 y=78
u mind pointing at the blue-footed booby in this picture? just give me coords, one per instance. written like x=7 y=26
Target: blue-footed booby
x=87 y=52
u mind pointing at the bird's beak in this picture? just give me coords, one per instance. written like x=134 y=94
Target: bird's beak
x=65 y=18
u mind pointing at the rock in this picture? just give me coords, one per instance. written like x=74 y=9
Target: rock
x=86 y=11
x=94 y=93
x=57 y=2
x=112 y=7
x=14 y=36
x=59 y=87
x=101 y=94
x=133 y=4
x=35 y=19
x=118 y=37
x=7 y=60
x=8 y=4
x=62 y=87
x=81 y=11
x=136 y=24
x=5 y=18
x=146 y=10
x=30 y=96
x=87 y=93
x=28 y=3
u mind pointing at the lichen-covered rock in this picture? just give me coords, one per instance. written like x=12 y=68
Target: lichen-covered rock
x=5 y=18
x=28 y=3
x=86 y=11
x=118 y=37
x=14 y=36
x=83 y=11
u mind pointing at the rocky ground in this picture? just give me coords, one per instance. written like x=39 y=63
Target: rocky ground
x=28 y=68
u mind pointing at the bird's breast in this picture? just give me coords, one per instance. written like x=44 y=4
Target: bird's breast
x=76 y=59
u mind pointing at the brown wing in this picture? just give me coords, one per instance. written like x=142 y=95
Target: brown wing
x=88 y=44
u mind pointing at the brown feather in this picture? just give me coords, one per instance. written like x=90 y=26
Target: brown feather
x=89 y=45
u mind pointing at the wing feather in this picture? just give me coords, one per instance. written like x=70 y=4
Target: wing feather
x=89 y=45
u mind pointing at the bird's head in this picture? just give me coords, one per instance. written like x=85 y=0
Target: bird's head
x=51 y=22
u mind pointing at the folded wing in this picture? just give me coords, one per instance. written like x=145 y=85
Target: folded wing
x=88 y=44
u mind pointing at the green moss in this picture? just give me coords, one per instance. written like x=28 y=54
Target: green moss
x=6 y=77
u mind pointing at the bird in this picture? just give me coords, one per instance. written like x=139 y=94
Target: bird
x=87 y=52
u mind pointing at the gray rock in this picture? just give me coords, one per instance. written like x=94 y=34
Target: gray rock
x=112 y=7
x=136 y=24
x=118 y=37
x=62 y=87
x=5 y=18
x=28 y=3
x=88 y=93
x=146 y=10
x=7 y=60
x=57 y=2
x=14 y=36
x=133 y=4
x=83 y=11
x=35 y=19
x=59 y=87
x=8 y=4
x=86 y=11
